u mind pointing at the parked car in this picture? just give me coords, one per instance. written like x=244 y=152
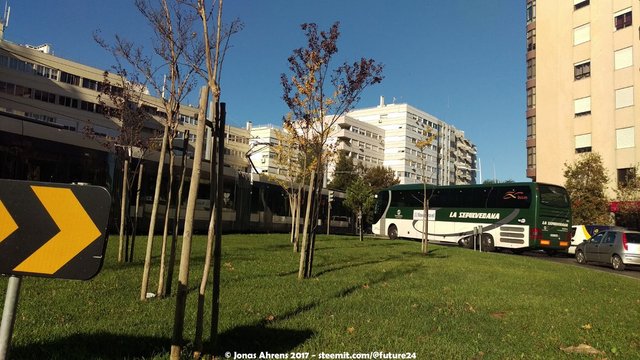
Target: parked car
x=580 y=233
x=618 y=247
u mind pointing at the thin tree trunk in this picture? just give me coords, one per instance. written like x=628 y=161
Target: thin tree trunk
x=154 y=212
x=203 y=285
x=315 y=214
x=217 y=245
x=296 y=244
x=165 y=230
x=176 y=219
x=304 y=248
x=293 y=211
x=136 y=215
x=360 y=222
x=213 y=186
x=183 y=275
x=123 y=209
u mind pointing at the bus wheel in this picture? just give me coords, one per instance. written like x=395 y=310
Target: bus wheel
x=487 y=243
x=466 y=243
x=393 y=232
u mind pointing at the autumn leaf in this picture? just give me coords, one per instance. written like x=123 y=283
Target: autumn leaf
x=468 y=307
x=582 y=349
x=351 y=330
x=365 y=286
x=587 y=326
x=498 y=315
x=270 y=318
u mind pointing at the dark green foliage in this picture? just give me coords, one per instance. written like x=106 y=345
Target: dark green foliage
x=628 y=198
x=586 y=181
x=379 y=177
x=360 y=200
x=344 y=172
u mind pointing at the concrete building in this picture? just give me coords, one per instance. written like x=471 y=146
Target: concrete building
x=450 y=159
x=262 y=140
x=582 y=72
x=47 y=106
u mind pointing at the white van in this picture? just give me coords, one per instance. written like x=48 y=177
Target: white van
x=580 y=233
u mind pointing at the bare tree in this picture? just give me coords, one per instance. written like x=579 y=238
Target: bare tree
x=173 y=27
x=213 y=50
x=122 y=102
x=317 y=97
x=288 y=157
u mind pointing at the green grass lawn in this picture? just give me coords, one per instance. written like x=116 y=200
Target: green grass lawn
x=376 y=295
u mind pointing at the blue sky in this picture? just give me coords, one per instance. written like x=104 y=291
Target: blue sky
x=462 y=61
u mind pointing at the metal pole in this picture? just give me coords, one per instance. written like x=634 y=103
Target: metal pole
x=480 y=236
x=475 y=238
x=328 y=216
x=9 y=315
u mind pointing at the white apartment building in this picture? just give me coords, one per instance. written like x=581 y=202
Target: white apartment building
x=450 y=159
x=386 y=136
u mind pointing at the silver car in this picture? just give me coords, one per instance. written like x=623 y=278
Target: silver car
x=616 y=247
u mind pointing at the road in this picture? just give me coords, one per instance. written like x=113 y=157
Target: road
x=630 y=271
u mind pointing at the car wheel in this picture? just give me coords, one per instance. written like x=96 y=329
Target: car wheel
x=617 y=263
x=580 y=258
x=393 y=232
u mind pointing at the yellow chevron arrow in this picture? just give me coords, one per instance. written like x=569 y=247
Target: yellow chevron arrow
x=77 y=231
x=7 y=224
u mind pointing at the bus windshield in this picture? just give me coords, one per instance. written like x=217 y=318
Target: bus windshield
x=554 y=196
x=382 y=200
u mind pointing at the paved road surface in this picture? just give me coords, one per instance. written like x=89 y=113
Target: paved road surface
x=630 y=271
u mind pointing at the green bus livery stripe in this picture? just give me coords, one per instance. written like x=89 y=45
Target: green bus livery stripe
x=489 y=227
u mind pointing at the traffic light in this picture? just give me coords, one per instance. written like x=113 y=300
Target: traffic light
x=330 y=196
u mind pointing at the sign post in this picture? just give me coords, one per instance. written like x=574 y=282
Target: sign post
x=48 y=230
x=9 y=315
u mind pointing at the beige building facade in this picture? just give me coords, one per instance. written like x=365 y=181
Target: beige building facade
x=582 y=71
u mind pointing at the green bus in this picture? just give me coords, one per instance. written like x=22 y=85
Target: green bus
x=516 y=216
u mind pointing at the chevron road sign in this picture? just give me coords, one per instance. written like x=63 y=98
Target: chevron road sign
x=52 y=230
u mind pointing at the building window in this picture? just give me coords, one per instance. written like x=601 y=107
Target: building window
x=44 y=96
x=622 y=19
x=531 y=68
x=582 y=34
x=583 y=143
x=69 y=78
x=623 y=58
x=531 y=11
x=531 y=127
x=531 y=157
x=47 y=72
x=582 y=106
x=531 y=98
x=625 y=138
x=23 y=91
x=625 y=176
x=531 y=40
x=624 y=97
x=579 y=4
x=582 y=70
x=91 y=84
x=67 y=101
